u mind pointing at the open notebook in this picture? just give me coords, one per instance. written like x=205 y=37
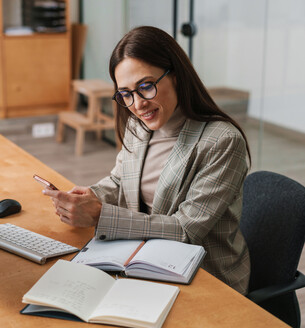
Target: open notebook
x=156 y=259
x=74 y=291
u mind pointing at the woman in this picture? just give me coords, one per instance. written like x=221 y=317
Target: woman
x=182 y=165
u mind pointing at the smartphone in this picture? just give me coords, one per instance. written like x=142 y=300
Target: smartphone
x=44 y=183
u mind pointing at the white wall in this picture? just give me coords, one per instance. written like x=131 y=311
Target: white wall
x=106 y=25
x=257 y=46
x=158 y=13
x=12 y=10
x=285 y=64
x=74 y=11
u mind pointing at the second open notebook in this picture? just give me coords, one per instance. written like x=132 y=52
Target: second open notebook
x=156 y=259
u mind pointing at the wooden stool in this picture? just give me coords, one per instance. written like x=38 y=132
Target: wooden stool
x=93 y=119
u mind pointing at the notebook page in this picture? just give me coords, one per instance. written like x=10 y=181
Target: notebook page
x=115 y=251
x=72 y=287
x=167 y=254
x=135 y=300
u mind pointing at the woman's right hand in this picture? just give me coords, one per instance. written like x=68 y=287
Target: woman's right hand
x=78 y=207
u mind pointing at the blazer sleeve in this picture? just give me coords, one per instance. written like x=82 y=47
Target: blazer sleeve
x=221 y=170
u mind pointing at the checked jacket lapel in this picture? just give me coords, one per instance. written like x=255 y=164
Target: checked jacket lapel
x=175 y=168
x=132 y=169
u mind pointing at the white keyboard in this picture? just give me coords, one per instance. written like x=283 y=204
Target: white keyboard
x=31 y=245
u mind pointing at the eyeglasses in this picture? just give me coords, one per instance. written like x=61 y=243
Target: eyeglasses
x=146 y=90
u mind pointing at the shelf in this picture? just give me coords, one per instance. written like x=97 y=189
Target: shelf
x=36 y=35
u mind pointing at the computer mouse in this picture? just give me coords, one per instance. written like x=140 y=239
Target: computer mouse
x=8 y=207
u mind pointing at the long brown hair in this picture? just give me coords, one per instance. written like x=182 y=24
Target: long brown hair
x=157 y=48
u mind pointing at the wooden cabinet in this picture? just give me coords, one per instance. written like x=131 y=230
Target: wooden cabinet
x=35 y=72
x=1 y=82
x=1 y=63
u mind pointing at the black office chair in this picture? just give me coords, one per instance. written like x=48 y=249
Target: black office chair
x=273 y=224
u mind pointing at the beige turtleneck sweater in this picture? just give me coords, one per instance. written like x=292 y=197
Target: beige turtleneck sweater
x=159 y=147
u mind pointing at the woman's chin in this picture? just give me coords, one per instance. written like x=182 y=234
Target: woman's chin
x=153 y=126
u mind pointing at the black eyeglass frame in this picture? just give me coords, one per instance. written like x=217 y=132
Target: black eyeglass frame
x=139 y=93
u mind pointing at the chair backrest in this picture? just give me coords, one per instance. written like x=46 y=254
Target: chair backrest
x=273 y=224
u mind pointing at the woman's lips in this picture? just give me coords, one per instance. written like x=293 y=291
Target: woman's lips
x=149 y=115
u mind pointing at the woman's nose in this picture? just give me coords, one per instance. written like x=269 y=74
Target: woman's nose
x=139 y=102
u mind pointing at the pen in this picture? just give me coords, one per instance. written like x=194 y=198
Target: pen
x=134 y=253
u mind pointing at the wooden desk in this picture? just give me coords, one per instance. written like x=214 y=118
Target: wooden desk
x=207 y=302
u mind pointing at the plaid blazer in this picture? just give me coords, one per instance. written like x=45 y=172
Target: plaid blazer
x=198 y=198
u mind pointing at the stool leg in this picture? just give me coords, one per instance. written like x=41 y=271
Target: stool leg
x=99 y=134
x=80 y=135
x=60 y=131
x=73 y=100
x=92 y=103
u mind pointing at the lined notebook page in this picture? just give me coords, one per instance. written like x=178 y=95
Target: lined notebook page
x=72 y=287
x=167 y=254
x=136 y=300
x=116 y=251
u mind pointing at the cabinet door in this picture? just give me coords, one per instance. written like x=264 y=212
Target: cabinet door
x=37 y=70
x=1 y=81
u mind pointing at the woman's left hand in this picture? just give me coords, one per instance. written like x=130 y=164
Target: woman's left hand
x=78 y=207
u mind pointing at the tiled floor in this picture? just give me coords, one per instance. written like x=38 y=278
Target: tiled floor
x=277 y=153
